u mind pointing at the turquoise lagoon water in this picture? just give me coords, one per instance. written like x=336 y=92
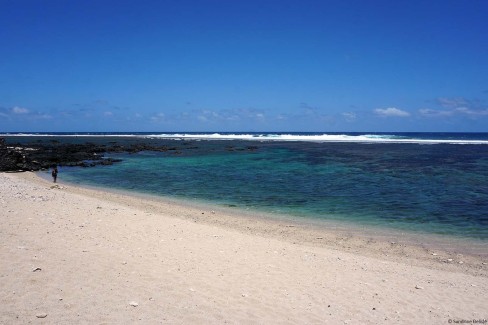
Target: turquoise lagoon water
x=434 y=183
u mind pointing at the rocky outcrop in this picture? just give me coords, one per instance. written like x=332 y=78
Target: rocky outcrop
x=43 y=153
x=39 y=156
x=9 y=159
x=47 y=153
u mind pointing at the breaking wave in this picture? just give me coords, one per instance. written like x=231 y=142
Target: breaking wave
x=420 y=138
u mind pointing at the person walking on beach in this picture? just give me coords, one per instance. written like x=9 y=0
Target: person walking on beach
x=54 y=173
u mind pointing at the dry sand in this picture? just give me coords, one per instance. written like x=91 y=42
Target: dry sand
x=72 y=255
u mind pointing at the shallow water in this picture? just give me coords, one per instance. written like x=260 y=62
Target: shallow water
x=437 y=188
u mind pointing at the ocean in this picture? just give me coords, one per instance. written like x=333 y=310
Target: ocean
x=426 y=183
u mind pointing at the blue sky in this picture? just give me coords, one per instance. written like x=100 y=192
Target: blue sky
x=165 y=66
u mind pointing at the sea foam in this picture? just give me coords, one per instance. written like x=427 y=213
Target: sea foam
x=424 y=138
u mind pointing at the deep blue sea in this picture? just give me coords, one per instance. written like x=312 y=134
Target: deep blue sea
x=421 y=182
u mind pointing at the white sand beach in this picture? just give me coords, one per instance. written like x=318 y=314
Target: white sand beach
x=72 y=255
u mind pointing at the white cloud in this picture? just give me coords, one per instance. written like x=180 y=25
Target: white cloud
x=158 y=117
x=230 y=115
x=452 y=102
x=349 y=116
x=472 y=112
x=207 y=116
x=42 y=116
x=19 y=110
x=456 y=107
x=435 y=113
x=391 y=112
x=202 y=118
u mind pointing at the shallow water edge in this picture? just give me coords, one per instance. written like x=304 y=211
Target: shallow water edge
x=376 y=240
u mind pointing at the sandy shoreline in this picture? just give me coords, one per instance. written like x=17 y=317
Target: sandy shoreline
x=98 y=252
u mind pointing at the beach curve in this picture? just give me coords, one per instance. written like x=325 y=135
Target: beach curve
x=77 y=255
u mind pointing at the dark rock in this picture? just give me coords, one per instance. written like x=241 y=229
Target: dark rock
x=43 y=154
x=37 y=156
x=9 y=158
